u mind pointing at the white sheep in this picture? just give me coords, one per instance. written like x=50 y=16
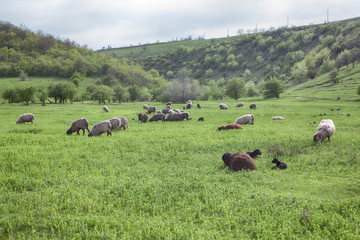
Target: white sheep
x=325 y=129
x=124 y=122
x=115 y=123
x=105 y=108
x=100 y=128
x=246 y=119
x=27 y=117
x=278 y=118
x=223 y=106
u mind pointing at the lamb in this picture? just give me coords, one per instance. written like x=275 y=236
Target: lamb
x=223 y=106
x=105 y=108
x=157 y=117
x=115 y=123
x=201 y=119
x=254 y=153
x=279 y=164
x=143 y=117
x=230 y=126
x=278 y=118
x=246 y=119
x=124 y=123
x=79 y=124
x=100 y=128
x=239 y=105
x=325 y=129
x=252 y=106
x=238 y=161
x=27 y=117
x=198 y=106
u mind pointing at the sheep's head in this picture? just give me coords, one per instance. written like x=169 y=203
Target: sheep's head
x=221 y=128
x=316 y=137
x=257 y=152
x=226 y=158
x=69 y=132
x=275 y=160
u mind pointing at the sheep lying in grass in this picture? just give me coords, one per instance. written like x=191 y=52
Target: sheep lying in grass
x=79 y=124
x=157 y=117
x=239 y=105
x=325 y=129
x=246 y=119
x=115 y=123
x=230 y=126
x=124 y=123
x=252 y=106
x=239 y=161
x=201 y=119
x=254 y=153
x=105 y=108
x=278 y=118
x=279 y=164
x=27 y=117
x=143 y=117
x=100 y=128
x=223 y=106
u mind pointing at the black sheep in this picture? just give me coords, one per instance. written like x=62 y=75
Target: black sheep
x=255 y=153
x=201 y=119
x=279 y=164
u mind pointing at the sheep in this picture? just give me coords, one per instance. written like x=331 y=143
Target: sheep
x=198 y=106
x=177 y=111
x=105 y=108
x=143 y=117
x=145 y=107
x=27 y=117
x=238 y=161
x=151 y=109
x=239 y=105
x=201 y=119
x=79 y=124
x=115 y=123
x=171 y=112
x=124 y=122
x=166 y=109
x=188 y=106
x=230 y=126
x=168 y=104
x=185 y=115
x=252 y=106
x=278 y=118
x=254 y=153
x=157 y=117
x=246 y=119
x=223 y=106
x=325 y=129
x=174 y=117
x=279 y=164
x=100 y=128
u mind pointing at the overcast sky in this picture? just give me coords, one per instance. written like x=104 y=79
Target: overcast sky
x=119 y=23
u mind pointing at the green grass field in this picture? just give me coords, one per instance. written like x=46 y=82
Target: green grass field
x=168 y=181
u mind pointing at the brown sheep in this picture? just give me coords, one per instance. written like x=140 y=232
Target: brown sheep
x=230 y=126
x=79 y=124
x=239 y=161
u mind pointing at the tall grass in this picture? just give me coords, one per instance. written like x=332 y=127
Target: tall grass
x=167 y=180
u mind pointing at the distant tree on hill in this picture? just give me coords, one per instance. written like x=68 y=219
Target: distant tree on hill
x=102 y=93
x=333 y=77
x=235 y=88
x=273 y=88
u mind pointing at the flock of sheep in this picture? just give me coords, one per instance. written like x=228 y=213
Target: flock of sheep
x=236 y=161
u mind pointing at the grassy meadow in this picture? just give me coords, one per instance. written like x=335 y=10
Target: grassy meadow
x=166 y=180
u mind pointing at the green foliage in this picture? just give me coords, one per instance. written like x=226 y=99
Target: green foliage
x=62 y=91
x=273 y=88
x=102 y=93
x=235 y=88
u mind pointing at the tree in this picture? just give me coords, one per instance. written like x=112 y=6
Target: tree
x=121 y=94
x=135 y=93
x=333 y=77
x=273 y=88
x=103 y=93
x=76 y=78
x=11 y=94
x=42 y=95
x=26 y=94
x=235 y=88
x=23 y=76
x=251 y=90
x=62 y=91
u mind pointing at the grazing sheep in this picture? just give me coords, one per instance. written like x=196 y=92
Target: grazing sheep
x=246 y=119
x=100 y=128
x=230 y=126
x=124 y=122
x=166 y=109
x=151 y=109
x=145 y=107
x=279 y=164
x=278 y=118
x=168 y=104
x=115 y=123
x=185 y=115
x=157 y=117
x=174 y=117
x=223 y=106
x=177 y=110
x=252 y=106
x=239 y=105
x=325 y=129
x=79 y=124
x=188 y=106
x=143 y=117
x=239 y=161
x=201 y=119
x=171 y=112
x=27 y=117
x=105 y=108
x=254 y=153
x=198 y=106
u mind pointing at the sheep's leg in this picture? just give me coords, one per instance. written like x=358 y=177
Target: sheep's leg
x=77 y=132
x=108 y=133
x=329 y=138
x=88 y=130
x=83 y=131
